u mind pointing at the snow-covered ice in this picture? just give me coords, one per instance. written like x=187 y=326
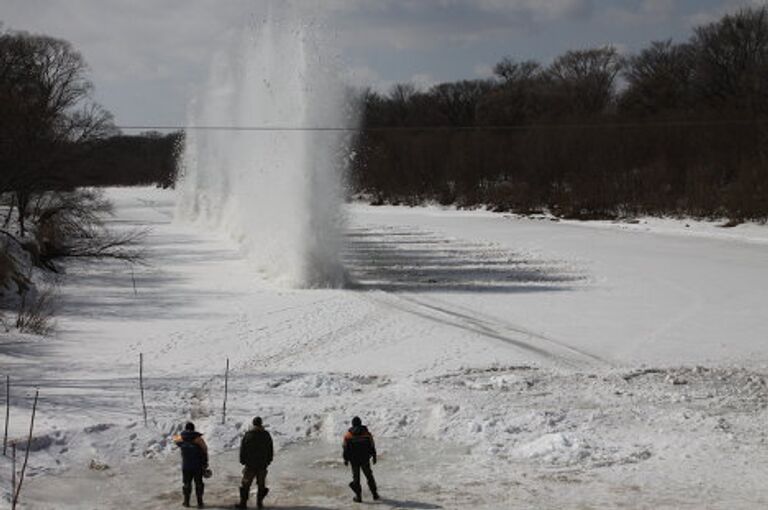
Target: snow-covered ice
x=501 y=362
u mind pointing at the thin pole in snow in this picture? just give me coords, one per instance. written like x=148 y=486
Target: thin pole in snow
x=141 y=386
x=13 y=470
x=226 y=388
x=7 y=411
x=17 y=492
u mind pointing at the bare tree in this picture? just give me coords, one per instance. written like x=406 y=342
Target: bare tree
x=732 y=61
x=400 y=98
x=659 y=78
x=46 y=113
x=586 y=78
x=511 y=71
x=457 y=101
x=70 y=224
x=519 y=99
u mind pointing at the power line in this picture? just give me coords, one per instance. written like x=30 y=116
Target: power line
x=234 y=128
x=508 y=127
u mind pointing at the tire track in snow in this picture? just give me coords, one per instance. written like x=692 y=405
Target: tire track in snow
x=484 y=320
x=310 y=334
x=548 y=349
x=387 y=259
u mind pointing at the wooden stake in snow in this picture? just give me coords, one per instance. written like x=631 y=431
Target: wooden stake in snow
x=7 y=411
x=141 y=386
x=226 y=384
x=17 y=492
x=13 y=470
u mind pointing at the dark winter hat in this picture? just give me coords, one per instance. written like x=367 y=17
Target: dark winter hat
x=357 y=422
x=189 y=426
x=257 y=421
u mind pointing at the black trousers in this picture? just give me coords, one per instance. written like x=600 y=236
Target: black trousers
x=197 y=476
x=365 y=467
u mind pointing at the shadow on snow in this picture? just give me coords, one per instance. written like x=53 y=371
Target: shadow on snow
x=414 y=261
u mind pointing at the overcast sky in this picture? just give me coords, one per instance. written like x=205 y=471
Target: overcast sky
x=147 y=57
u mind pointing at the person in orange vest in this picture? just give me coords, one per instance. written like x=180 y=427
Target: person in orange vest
x=359 y=450
x=194 y=462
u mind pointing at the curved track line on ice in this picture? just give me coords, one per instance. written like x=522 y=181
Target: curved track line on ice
x=582 y=357
x=547 y=349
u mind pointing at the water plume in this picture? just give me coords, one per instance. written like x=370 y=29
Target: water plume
x=277 y=191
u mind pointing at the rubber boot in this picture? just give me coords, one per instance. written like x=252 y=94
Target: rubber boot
x=260 y=497
x=243 y=498
x=187 y=491
x=199 y=494
x=358 y=492
x=372 y=487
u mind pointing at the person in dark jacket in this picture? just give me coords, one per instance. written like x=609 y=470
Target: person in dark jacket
x=256 y=454
x=360 y=450
x=194 y=461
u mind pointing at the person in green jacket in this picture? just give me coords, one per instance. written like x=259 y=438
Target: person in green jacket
x=256 y=454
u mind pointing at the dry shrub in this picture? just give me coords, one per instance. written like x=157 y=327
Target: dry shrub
x=35 y=314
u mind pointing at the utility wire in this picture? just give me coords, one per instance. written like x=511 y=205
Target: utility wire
x=509 y=127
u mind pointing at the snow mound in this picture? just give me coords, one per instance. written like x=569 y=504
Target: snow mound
x=316 y=385
x=557 y=448
x=502 y=378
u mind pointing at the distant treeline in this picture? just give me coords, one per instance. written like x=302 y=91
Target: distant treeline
x=138 y=160
x=677 y=128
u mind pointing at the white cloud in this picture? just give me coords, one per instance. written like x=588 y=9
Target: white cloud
x=422 y=81
x=539 y=8
x=429 y=24
x=544 y=9
x=642 y=12
x=483 y=70
x=362 y=77
x=159 y=48
x=659 y=8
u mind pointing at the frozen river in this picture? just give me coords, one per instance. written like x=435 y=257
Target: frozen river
x=500 y=362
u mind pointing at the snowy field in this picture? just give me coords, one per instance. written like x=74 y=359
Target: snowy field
x=501 y=363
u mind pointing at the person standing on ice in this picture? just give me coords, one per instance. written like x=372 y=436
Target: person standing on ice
x=359 y=450
x=256 y=454
x=194 y=462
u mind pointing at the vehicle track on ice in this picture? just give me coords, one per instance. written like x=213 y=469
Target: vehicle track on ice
x=404 y=268
x=547 y=349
